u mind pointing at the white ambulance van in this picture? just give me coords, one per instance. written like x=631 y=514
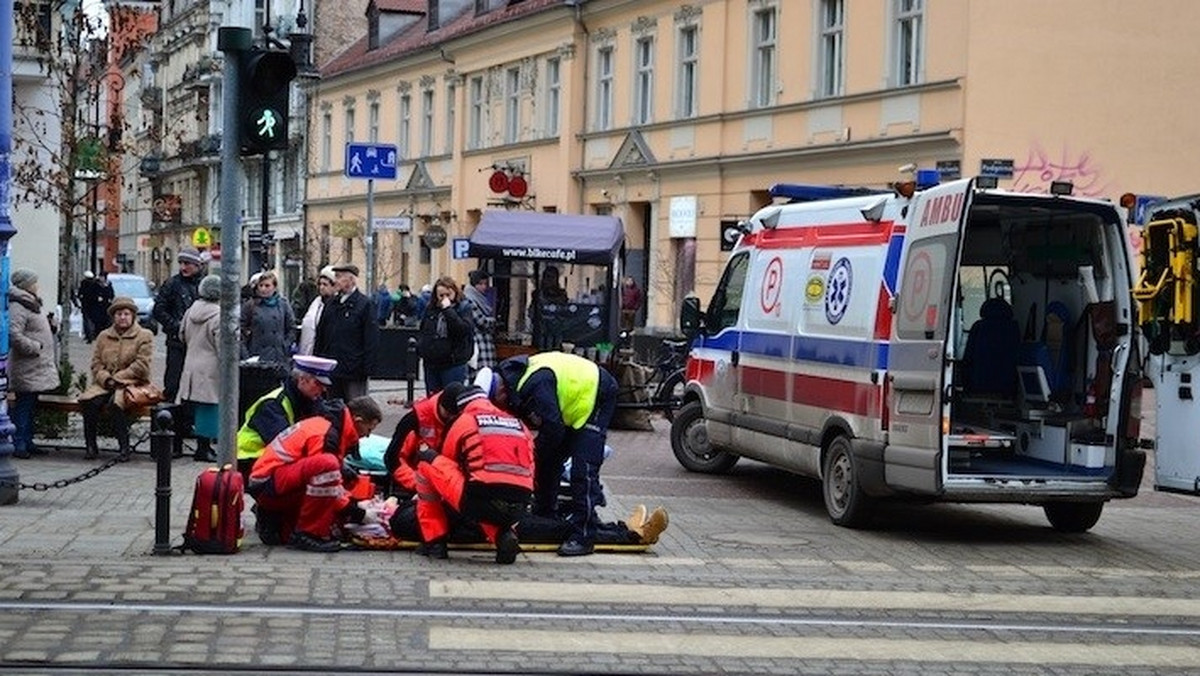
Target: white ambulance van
x=955 y=343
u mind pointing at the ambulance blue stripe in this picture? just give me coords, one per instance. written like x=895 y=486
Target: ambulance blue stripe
x=891 y=265
x=855 y=353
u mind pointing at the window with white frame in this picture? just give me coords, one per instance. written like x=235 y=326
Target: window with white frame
x=373 y=122
x=326 y=140
x=762 y=73
x=833 y=22
x=553 y=95
x=908 y=66
x=475 y=121
x=405 y=125
x=604 y=87
x=688 y=74
x=451 y=93
x=643 y=93
x=426 y=122
x=512 y=105
x=349 y=125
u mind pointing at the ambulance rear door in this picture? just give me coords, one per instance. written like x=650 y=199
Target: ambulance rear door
x=917 y=353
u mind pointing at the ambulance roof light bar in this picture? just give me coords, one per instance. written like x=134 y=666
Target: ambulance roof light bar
x=795 y=192
x=987 y=182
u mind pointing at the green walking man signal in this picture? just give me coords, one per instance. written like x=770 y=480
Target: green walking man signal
x=263 y=100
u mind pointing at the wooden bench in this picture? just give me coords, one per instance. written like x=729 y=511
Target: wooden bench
x=66 y=403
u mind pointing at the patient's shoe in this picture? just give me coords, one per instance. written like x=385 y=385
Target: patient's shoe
x=655 y=524
x=636 y=519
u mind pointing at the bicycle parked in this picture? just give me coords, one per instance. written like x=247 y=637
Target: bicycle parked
x=662 y=391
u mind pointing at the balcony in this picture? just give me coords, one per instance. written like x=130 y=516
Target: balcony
x=152 y=98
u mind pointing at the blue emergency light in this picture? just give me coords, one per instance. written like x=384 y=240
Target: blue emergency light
x=795 y=192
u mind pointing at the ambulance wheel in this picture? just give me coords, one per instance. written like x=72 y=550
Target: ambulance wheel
x=689 y=442
x=845 y=500
x=1073 y=517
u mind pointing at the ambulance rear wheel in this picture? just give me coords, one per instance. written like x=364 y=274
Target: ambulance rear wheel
x=845 y=500
x=1073 y=517
x=689 y=442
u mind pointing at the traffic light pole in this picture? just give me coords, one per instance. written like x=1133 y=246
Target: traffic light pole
x=233 y=41
x=263 y=246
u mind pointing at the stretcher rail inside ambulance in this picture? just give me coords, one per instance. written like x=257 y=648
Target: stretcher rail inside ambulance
x=555 y=277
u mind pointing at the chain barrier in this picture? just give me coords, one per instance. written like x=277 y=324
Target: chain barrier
x=42 y=486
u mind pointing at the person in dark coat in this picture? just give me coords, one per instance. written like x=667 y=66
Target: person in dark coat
x=95 y=295
x=348 y=333
x=446 y=339
x=268 y=325
x=383 y=305
x=174 y=299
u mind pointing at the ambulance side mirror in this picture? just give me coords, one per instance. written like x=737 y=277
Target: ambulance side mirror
x=691 y=319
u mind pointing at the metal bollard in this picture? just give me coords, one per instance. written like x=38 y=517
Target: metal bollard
x=162 y=434
x=411 y=363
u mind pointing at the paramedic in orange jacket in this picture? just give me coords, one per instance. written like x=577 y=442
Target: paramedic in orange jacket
x=484 y=472
x=424 y=425
x=300 y=476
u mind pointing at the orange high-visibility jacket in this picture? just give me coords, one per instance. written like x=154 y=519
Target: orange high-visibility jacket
x=430 y=432
x=491 y=446
x=307 y=437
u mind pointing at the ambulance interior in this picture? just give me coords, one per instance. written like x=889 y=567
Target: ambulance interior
x=1032 y=336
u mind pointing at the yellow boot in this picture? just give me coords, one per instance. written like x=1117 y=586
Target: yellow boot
x=655 y=524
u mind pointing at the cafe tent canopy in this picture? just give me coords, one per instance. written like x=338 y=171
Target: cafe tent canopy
x=553 y=238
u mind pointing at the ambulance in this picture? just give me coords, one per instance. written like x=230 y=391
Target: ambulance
x=952 y=343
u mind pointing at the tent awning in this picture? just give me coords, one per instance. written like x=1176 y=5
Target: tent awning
x=535 y=236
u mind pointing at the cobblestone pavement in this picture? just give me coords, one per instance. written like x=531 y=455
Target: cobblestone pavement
x=750 y=578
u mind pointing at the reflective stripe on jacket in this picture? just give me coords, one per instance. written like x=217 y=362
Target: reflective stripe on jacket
x=578 y=382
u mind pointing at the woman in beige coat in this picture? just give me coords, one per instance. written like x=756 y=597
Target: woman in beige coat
x=199 y=330
x=31 y=367
x=121 y=358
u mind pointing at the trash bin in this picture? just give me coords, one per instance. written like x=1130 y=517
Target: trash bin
x=256 y=379
x=397 y=358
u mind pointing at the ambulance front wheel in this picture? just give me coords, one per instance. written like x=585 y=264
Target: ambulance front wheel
x=845 y=500
x=1073 y=517
x=689 y=442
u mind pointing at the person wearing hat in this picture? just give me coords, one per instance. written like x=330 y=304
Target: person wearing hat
x=300 y=396
x=174 y=298
x=198 y=383
x=31 y=367
x=326 y=281
x=120 y=359
x=483 y=471
x=348 y=332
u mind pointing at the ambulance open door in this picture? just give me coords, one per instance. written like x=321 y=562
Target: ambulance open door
x=917 y=362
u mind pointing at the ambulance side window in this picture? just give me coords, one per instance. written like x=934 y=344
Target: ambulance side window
x=727 y=300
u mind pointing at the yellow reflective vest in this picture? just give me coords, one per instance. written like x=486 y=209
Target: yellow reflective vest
x=578 y=383
x=249 y=444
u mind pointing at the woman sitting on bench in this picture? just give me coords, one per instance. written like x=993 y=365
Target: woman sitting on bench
x=121 y=358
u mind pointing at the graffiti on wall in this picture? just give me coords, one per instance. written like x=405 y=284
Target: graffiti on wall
x=1041 y=167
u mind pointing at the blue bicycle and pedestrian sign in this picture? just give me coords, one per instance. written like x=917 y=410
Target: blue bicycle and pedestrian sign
x=371 y=160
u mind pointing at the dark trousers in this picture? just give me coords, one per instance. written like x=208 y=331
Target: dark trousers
x=22 y=418
x=176 y=351
x=92 y=409
x=585 y=448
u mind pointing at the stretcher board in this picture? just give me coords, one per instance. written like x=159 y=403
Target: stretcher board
x=391 y=543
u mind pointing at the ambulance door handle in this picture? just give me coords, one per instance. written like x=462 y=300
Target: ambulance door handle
x=734 y=357
x=934 y=352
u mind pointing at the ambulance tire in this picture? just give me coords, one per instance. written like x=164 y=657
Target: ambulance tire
x=845 y=501
x=689 y=442
x=1073 y=517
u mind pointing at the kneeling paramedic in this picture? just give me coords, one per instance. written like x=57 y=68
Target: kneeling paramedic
x=570 y=401
x=300 y=481
x=425 y=425
x=484 y=472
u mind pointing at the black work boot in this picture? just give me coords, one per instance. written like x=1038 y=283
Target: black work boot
x=507 y=546
x=434 y=550
x=89 y=440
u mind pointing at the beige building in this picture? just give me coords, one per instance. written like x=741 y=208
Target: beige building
x=678 y=117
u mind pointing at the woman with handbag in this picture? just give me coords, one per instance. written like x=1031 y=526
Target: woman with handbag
x=198 y=386
x=121 y=360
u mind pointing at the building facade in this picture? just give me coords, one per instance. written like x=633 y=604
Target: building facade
x=678 y=117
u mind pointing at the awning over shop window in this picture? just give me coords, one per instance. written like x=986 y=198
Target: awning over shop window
x=534 y=236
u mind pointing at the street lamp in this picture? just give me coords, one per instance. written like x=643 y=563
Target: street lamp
x=92 y=165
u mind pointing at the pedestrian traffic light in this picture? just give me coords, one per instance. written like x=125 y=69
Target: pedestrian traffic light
x=263 y=90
